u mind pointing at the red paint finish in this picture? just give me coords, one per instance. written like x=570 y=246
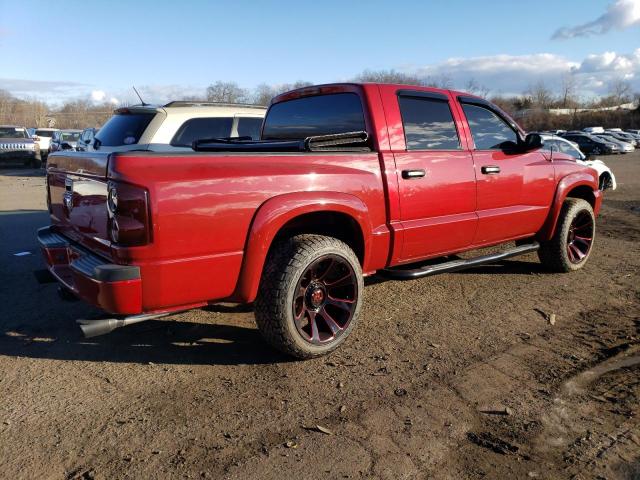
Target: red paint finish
x=516 y=201
x=122 y=297
x=213 y=217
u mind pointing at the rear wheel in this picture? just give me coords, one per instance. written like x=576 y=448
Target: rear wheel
x=570 y=247
x=310 y=295
x=596 y=151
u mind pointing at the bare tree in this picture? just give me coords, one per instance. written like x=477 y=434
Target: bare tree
x=474 y=87
x=263 y=93
x=442 y=80
x=540 y=95
x=568 y=91
x=389 y=76
x=227 y=92
x=620 y=91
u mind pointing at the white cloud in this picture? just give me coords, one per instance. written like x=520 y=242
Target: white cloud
x=42 y=89
x=58 y=92
x=98 y=96
x=620 y=15
x=513 y=74
x=508 y=74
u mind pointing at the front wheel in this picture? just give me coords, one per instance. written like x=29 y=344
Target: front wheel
x=310 y=295
x=570 y=247
x=596 y=151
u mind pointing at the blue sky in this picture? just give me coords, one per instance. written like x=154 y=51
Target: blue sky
x=63 y=49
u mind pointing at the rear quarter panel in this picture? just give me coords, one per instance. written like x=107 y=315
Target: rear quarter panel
x=203 y=206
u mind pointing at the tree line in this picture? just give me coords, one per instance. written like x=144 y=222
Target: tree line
x=531 y=108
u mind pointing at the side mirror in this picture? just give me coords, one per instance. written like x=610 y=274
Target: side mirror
x=532 y=141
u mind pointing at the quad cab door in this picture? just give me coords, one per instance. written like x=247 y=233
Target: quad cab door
x=435 y=173
x=515 y=188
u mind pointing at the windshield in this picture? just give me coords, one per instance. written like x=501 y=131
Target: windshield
x=124 y=129
x=13 y=132
x=69 y=136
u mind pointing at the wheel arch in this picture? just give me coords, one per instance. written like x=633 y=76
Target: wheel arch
x=336 y=214
x=604 y=176
x=584 y=185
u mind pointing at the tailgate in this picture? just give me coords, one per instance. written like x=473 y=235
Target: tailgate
x=77 y=196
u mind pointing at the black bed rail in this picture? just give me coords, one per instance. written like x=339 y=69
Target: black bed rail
x=338 y=142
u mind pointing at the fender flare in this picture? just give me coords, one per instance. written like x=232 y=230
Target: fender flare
x=275 y=213
x=565 y=185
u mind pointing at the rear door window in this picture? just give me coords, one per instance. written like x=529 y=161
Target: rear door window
x=310 y=116
x=202 y=128
x=249 y=127
x=489 y=131
x=428 y=124
x=124 y=128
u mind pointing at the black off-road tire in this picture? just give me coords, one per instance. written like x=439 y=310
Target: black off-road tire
x=284 y=267
x=554 y=253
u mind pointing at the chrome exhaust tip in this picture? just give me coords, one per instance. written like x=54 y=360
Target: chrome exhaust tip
x=95 y=328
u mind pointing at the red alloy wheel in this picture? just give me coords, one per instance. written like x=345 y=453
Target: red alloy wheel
x=580 y=237
x=325 y=299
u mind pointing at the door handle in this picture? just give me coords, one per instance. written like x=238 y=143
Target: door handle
x=409 y=174
x=490 y=169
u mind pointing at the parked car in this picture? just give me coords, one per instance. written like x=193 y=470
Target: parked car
x=635 y=136
x=606 y=177
x=85 y=142
x=591 y=145
x=623 y=147
x=176 y=125
x=331 y=193
x=44 y=139
x=64 y=140
x=593 y=130
x=16 y=145
x=631 y=130
x=623 y=136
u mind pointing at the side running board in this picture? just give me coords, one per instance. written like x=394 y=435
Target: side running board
x=455 y=265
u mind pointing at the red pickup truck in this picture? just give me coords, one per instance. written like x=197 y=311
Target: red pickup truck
x=346 y=181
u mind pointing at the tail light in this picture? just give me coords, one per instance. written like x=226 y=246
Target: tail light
x=128 y=208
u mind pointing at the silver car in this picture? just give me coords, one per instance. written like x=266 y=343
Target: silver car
x=624 y=147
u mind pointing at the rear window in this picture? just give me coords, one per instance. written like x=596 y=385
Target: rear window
x=202 y=128
x=45 y=133
x=249 y=127
x=124 y=129
x=309 y=116
x=69 y=136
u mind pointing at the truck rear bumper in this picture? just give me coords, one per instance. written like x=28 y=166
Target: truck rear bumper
x=114 y=288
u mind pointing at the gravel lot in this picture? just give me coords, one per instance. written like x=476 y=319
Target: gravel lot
x=456 y=376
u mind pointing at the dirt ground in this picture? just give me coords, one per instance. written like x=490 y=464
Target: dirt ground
x=451 y=377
